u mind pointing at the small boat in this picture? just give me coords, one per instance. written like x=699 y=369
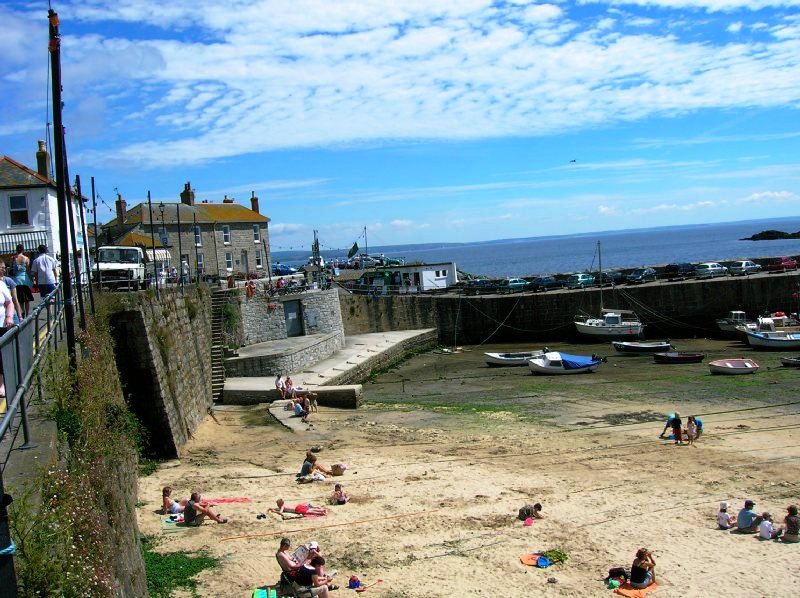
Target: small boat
x=774 y=340
x=639 y=348
x=728 y=325
x=790 y=362
x=555 y=362
x=678 y=357
x=511 y=359
x=733 y=366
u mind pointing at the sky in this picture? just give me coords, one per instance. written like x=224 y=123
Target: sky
x=422 y=120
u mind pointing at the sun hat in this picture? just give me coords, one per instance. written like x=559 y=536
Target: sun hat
x=723 y=505
x=313 y=545
x=749 y=503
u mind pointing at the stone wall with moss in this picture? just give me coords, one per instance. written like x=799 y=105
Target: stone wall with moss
x=163 y=352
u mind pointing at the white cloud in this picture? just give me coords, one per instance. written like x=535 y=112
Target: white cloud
x=606 y=211
x=541 y=13
x=286 y=228
x=735 y=27
x=769 y=197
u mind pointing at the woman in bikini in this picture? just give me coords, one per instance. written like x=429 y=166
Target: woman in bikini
x=170 y=506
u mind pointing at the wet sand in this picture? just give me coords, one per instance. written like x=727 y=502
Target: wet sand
x=447 y=450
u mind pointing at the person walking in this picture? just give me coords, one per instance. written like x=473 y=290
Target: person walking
x=45 y=273
x=20 y=265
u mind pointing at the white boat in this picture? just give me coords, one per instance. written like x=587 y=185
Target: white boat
x=511 y=359
x=733 y=366
x=642 y=348
x=774 y=340
x=728 y=325
x=612 y=323
x=555 y=362
x=772 y=324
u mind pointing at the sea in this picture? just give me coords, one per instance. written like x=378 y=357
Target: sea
x=621 y=249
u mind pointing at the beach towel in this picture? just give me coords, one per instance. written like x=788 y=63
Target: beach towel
x=628 y=590
x=266 y=592
x=286 y=516
x=169 y=525
x=222 y=501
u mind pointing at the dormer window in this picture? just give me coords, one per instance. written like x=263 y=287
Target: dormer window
x=18 y=210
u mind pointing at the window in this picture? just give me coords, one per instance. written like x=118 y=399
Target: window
x=198 y=240
x=256 y=234
x=18 y=206
x=201 y=263
x=226 y=234
x=440 y=274
x=229 y=260
x=259 y=263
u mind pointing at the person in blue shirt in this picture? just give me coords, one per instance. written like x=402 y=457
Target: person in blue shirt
x=747 y=521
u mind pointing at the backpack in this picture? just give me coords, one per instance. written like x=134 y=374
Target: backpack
x=525 y=512
x=616 y=572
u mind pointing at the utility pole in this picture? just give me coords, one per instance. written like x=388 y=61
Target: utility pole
x=84 y=234
x=180 y=245
x=96 y=238
x=196 y=259
x=76 y=263
x=153 y=240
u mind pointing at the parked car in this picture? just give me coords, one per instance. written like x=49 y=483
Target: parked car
x=682 y=270
x=612 y=278
x=782 y=264
x=279 y=269
x=641 y=275
x=580 y=281
x=710 y=270
x=514 y=284
x=479 y=285
x=744 y=267
x=546 y=283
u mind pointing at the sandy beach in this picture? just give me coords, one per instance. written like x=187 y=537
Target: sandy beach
x=447 y=450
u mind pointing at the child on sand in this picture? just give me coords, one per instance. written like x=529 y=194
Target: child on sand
x=691 y=430
x=306 y=509
x=724 y=519
x=339 y=495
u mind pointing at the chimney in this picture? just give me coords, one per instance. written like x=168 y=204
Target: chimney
x=254 y=202
x=227 y=199
x=121 y=209
x=187 y=195
x=43 y=161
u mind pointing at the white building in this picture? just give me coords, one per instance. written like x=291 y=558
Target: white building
x=412 y=278
x=29 y=207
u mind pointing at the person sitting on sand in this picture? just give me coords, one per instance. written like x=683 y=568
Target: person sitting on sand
x=339 y=496
x=766 y=529
x=306 y=578
x=307 y=509
x=170 y=506
x=197 y=510
x=747 y=521
x=299 y=410
x=724 y=519
x=310 y=465
x=792 y=523
x=643 y=570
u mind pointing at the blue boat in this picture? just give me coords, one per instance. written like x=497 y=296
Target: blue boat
x=555 y=362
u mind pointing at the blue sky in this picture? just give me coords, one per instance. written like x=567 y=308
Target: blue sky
x=423 y=120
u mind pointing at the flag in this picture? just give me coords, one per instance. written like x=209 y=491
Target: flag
x=353 y=250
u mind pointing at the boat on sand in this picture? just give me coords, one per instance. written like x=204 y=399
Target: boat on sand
x=678 y=357
x=555 y=362
x=511 y=359
x=639 y=348
x=744 y=365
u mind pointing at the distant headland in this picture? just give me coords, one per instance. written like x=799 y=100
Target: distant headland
x=772 y=235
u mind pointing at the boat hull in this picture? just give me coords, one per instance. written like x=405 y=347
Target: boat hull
x=790 y=362
x=637 y=348
x=678 y=357
x=599 y=329
x=518 y=358
x=733 y=367
x=774 y=340
x=559 y=364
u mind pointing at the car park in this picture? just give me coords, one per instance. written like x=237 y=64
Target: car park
x=514 y=284
x=546 y=283
x=476 y=286
x=682 y=270
x=641 y=275
x=710 y=270
x=782 y=264
x=612 y=278
x=580 y=281
x=743 y=267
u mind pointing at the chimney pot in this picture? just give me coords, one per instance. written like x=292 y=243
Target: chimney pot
x=227 y=199
x=43 y=160
x=187 y=195
x=254 y=202
x=121 y=206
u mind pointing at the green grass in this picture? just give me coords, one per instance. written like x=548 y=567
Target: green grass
x=172 y=571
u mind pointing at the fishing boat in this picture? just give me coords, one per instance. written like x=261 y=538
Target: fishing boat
x=728 y=325
x=780 y=340
x=511 y=359
x=555 y=362
x=790 y=362
x=775 y=322
x=641 y=348
x=678 y=357
x=744 y=365
x=612 y=323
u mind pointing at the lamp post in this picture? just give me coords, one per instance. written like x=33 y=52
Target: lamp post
x=152 y=238
x=162 y=235
x=180 y=246
x=196 y=262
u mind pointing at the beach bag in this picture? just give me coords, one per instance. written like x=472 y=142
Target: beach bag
x=338 y=468
x=616 y=572
x=526 y=512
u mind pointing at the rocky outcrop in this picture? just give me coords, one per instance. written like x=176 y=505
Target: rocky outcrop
x=772 y=235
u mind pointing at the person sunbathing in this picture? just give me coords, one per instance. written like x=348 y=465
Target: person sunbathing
x=169 y=505
x=300 y=509
x=197 y=510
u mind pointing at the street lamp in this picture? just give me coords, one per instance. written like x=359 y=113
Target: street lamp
x=163 y=232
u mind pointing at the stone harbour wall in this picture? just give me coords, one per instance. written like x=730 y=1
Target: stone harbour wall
x=263 y=317
x=316 y=349
x=163 y=352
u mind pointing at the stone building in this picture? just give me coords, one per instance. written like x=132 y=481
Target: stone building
x=213 y=240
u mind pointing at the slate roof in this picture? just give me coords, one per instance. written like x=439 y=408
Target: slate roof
x=14 y=174
x=206 y=213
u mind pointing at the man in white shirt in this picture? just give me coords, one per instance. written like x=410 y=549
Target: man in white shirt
x=44 y=272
